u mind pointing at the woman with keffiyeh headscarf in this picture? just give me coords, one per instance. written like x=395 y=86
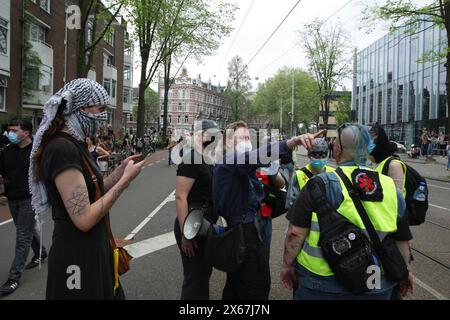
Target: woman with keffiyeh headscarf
x=81 y=263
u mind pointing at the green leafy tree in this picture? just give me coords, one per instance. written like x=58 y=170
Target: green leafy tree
x=273 y=99
x=408 y=16
x=197 y=34
x=327 y=51
x=96 y=22
x=238 y=87
x=343 y=112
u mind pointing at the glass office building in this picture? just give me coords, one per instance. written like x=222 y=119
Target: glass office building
x=394 y=87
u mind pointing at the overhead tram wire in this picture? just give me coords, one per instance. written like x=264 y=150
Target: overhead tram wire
x=276 y=29
x=289 y=49
x=235 y=36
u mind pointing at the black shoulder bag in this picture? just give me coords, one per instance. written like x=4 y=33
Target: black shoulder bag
x=226 y=251
x=394 y=265
x=345 y=248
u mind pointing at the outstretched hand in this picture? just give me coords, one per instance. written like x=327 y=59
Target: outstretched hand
x=306 y=140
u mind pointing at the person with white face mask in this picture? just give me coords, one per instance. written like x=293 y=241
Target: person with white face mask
x=64 y=177
x=237 y=196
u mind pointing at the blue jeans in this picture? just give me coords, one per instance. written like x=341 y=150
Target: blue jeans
x=315 y=287
x=303 y=293
x=26 y=235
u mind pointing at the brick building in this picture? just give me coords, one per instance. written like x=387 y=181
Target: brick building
x=191 y=100
x=55 y=45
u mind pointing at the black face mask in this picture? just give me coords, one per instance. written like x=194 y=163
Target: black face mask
x=384 y=148
x=207 y=143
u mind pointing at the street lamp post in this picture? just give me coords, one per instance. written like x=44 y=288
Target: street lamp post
x=292 y=108
x=281 y=117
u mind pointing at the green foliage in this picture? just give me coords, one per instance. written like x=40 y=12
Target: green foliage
x=238 y=87
x=343 y=113
x=166 y=29
x=328 y=53
x=151 y=105
x=278 y=89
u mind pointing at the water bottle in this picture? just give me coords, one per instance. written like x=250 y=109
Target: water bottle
x=419 y=194
x=220 y=225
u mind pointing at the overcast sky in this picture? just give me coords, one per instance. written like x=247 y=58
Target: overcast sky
x=264 y=16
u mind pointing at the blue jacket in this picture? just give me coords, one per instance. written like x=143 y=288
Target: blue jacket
x=233 y=197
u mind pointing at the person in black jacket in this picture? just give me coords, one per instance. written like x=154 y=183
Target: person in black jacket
x=14 y=163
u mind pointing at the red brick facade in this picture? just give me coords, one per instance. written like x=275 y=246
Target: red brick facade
x=55 y=23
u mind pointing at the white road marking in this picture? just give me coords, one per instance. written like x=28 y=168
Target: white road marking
x=439 y=207
x=169 y=198
x=435 y=186
x=5 y=222
x=151 y=245
x=430 y=289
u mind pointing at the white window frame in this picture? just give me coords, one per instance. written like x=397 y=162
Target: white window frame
x=45 y=8
x=109 y=39
x=127 y=71
x=39 y=27
x=113 y=88
x=4 y=25
x=3 y=88
x=107 y=80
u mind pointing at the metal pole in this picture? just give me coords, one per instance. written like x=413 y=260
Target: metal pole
x=281 y=117
x=292 y=108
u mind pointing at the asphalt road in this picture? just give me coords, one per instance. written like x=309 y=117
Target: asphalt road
x=147 y=208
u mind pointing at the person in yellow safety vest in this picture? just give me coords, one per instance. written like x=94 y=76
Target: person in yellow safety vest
x=318 y=164
x=304 y=267
x=381 y=149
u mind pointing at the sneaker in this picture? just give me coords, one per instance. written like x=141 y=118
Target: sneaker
x=35 y=262
x=9 y=287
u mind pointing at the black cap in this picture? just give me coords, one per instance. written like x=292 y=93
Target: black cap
x=205 y=125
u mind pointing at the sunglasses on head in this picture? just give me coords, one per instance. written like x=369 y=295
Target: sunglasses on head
x=317 y=155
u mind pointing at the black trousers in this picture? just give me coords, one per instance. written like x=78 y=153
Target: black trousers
x=196 y=270
x=252 y=280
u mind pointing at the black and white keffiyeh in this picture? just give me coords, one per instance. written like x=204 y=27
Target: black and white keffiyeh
x=78 y=93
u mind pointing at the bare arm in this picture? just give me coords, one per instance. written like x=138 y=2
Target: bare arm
x=183 y=187
x=115 y=176
x=293 y=244
x=102 y=153
x=73 y=190
x=396 y=173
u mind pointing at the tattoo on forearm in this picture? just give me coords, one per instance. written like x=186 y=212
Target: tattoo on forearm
x=291 y=249
x=78 y=201
x=118 y=191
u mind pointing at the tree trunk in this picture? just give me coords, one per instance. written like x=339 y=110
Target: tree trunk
x=327 y=110
x=141 y=102
x=167 y=66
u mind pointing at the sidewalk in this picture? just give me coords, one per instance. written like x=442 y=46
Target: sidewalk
x=434 y=168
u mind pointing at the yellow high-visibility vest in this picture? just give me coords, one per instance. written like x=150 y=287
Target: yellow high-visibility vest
x=383 y=216
x=381 y=166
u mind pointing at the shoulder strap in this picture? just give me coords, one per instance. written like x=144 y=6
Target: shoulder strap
x=320 y=202
x=98 y=196
x=354 y=195
x=308 y=173
x=385 y=170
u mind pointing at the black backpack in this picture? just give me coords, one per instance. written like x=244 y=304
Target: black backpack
x=416 y=209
